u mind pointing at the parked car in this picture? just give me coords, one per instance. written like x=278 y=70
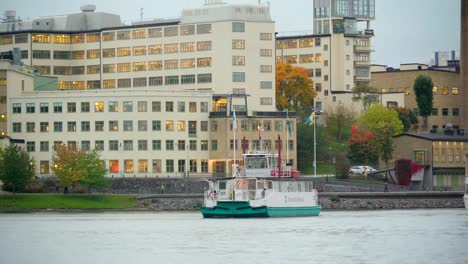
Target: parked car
x=361 y=169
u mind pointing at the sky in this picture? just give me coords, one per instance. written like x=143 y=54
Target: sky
x=406 y=31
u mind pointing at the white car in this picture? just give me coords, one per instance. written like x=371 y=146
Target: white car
x=361 y=169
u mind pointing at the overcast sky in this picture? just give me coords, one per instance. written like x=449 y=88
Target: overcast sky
x=405 y=30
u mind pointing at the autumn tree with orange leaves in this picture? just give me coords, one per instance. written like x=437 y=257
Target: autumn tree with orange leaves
x=72 y=166
x=361 y=150
x=294 y=89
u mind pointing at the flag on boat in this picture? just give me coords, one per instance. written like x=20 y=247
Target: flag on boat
x=311 y=119
x=234 y=120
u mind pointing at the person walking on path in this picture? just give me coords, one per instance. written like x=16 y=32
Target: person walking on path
x=386 y=187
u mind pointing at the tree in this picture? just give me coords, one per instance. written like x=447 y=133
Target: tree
x=16 y=168
x=360 y=148
x=94 y=172
x=339 y=120
x=365 y=93
x=408 y=118
x=73 y=165
x=384 y=124
x=424 y=96
x=294 y=89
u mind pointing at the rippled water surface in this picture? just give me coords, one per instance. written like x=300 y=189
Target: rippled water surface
x=397 y=236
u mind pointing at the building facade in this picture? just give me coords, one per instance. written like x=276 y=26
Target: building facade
x=337 y=54
x=154 y=97
x=396 y=88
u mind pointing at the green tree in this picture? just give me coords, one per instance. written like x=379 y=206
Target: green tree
x=339 y=121
x=16 y=168
x=67 y=165
x=384 y=124
x=294 y=89
x=366 y=94
x=361 y=151
x=408 y=118
x=424 y=96
x=93 y=173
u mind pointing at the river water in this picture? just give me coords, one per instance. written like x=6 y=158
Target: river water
x=394 y=236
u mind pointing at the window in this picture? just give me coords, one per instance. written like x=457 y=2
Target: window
x=40 y=38
x=108 y=36
x=113 y=145
x=122 y=52
x=44 y=146
x=99 y=145
x=71 y=107
x=98 y=126
x=142 y=145
x=266 y=85
x=203 y=28
x=156 y=165
x=187 y=63
x=139 y=66
x=30 y=146
x=455 y=91
x=445 y=90
x=142 y=125
x=434 y=112
x=204 y=126
x=204 y=78
x=169 y=144
x=214 y=145
x=266 y=68
x=238 y=60
x=203 y=45
x=238 y=76
x=156 y=144
x=30 y=108
x=192 y=107
x=93 y=37
x=266 y=36
x=44 y=126
x=171 y=31
x=128 y=145
x=128 y=125
x=93 y=54
x=71 y=126
x=86 y=145
x=58 y=127
x=180 y=125
x=204 y=107
x=143 y=166
x=44 y=107
x=204 y=62
x=123 y=34
x=85 y=126
x=169 y=125
x=17 y=108
x=156 y=125
x=99 y=106
x=156 y=106
x=61 y=39
x=16 y=127
x=139 y=33
x=124 y=67
x=169 y=166
x=171 y=64
x=155 y=49
x=181 y=107
x=238 y=44
x=108 y=68
x=139 y=50
x=124 y=83
x=171 y=48
x=445 y=111
x=154 y=66
x=187 y=30
x=41 y=54
x=265 y=52
x=169 y=106
x=127 y=106
x=456 y=111
x=85 y=107
x=214 y=125
x=266 y=101
x=22 y=38
x=238 y=27
x=435 y=90
x=187 y=47
x=204 y=145
x=155 y=32
x=172 y=80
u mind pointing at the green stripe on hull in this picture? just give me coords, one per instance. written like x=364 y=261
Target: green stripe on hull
x=244 y=210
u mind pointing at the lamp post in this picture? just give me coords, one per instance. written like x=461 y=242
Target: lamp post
x=187 y=164
x=330 y=154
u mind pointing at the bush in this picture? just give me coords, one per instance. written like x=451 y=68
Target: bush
x=335 y=199
x=36 y=187
x=342 y=166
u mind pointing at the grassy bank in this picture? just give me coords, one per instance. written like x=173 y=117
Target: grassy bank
x=46 y=201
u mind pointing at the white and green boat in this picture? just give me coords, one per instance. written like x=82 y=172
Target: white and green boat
x=260 y=188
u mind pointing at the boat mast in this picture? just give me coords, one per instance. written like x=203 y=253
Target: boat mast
x=234 y=128
x=279 y=156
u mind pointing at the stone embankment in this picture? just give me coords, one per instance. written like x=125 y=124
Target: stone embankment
x=338 y=201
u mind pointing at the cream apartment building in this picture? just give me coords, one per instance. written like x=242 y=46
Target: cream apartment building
x=148 y=95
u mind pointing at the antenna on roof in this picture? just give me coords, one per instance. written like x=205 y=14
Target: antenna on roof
x=141 y=14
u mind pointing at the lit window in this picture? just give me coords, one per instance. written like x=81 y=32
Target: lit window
x=99 y=106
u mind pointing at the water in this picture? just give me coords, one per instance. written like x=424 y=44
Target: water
x=397 y=236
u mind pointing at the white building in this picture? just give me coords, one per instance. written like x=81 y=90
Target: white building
x=150 y=95
x=337 y=54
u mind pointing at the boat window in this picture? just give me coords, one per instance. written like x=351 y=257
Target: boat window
x=260 y=185
x=269 y=185
x=256 y=162
x=222 y=185
x=252 y=184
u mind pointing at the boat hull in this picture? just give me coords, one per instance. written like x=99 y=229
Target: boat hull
x=237 y=209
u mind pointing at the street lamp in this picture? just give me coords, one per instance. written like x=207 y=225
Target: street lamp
x=330 y=154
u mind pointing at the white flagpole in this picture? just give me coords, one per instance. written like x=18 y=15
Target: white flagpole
x=315 y=149
x=234 y=131
x=287 y=136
